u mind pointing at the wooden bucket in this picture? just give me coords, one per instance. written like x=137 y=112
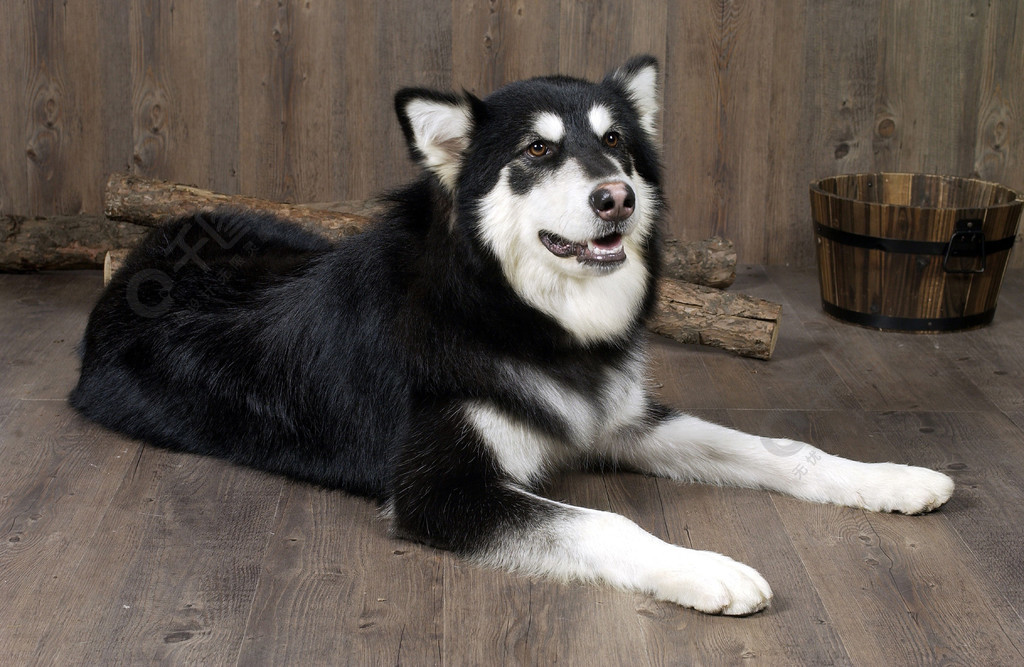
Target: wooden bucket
x=912 y=252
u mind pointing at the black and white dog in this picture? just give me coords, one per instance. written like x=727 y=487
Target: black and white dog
x=484 y=333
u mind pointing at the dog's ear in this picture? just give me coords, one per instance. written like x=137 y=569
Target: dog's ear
x=437 y=128
x=638 y=79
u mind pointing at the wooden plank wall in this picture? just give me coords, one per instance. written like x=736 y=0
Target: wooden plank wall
x=291 y=99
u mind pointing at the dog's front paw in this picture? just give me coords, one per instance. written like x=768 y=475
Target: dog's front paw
x=904 y=489
x=712 y=583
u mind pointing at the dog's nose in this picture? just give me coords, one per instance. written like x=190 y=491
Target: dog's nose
x=613 y=201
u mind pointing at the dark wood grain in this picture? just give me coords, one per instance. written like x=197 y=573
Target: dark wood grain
x=913 y=70
x=155 y=106
x=841 y=45
x=43 y=320
x=187 y=545
x=185 y=102
x=50 y=104
x=875 y=365
x=293 y=100
x=323 y=594
x=993 y=154
x=791 y=127
x=716 y=129
x=595 y=37
x=286 y=78
x=693 y=132
x=218 y=128
x=356 y=137
x=58 y=481
x=706 y=381
x=903 y=592
x=494 y=43
x=14 y=76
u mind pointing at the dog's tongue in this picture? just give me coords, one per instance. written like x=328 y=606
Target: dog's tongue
x=605 y=249
x=609 y=242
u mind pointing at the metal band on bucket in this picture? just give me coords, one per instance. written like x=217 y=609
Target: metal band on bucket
x=901 y=245
x=909 y=323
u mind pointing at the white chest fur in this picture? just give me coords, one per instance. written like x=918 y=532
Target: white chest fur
x=528 y=453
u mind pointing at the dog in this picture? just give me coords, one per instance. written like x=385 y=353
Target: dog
x=485 y=333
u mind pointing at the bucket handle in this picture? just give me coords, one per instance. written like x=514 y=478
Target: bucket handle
x=966 y=241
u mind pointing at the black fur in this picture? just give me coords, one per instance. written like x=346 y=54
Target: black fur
x=239 y=336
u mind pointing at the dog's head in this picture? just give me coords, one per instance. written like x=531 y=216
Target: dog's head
x=558 y=179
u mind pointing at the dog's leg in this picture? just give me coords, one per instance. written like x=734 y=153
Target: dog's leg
x=453 y=492
x=574 y=543
x=687 y=448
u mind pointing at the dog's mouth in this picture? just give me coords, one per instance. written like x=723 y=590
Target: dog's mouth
x=605 y=251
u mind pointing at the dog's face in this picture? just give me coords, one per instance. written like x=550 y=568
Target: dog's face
x=556 y=177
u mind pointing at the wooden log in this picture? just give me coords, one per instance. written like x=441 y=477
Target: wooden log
x=64 y=242
x=742 y=324
x=74 y=242
x=148 y=202
x=711 y=262
x=82 y=241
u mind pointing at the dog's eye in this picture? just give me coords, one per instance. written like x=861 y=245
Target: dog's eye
x=611 y=139
x=538 y=149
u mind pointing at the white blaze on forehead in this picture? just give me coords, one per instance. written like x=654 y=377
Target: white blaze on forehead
x=600 y=119
x=549 y=126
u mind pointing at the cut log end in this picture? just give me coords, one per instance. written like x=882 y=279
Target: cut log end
x=738 y=323
x=113 y=261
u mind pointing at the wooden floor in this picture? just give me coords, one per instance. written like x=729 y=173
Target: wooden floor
x=112 y=552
